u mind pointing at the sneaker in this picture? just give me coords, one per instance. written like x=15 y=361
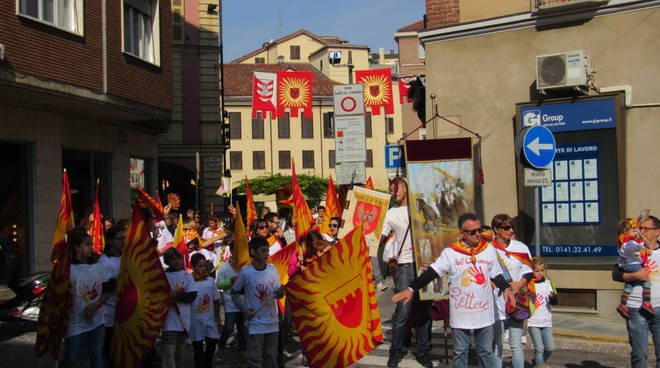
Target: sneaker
x=424 y=360
x=381 y=286
x=524 y=340
x=623 y=311
x=394 y=360
x=647 y=308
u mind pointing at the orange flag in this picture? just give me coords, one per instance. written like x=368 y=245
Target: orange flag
x=251 y=211
x=180 y=241
x=281 y=261
x=241 y=251
x=369 y=184
x=303 y=219
x=98 y=240
x=334 y=305
x=143 y=296
x=65 y=220
x=332 y=208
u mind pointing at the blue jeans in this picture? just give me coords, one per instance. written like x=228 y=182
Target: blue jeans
x=628 y=286
x=498 y=342
x=638 y=335
x=544 y=344
x=483 y=340
x=516 y=332
x=73 y=345
x=405 y=275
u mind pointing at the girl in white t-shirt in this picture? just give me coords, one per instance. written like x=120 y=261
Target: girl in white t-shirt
x=540 y=323
x=86 y=323
x=203 y=328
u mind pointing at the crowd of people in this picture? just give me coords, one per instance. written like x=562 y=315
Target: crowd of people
x=497 y=290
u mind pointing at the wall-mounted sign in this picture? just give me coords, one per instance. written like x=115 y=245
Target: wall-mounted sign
x=568 y=116
x=350 y=142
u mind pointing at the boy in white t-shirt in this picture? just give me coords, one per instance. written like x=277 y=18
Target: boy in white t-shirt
x=260 y=284
x=203 y=328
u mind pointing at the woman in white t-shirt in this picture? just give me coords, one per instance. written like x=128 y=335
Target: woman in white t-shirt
x=86 y=323
x=203 y=328
x=540 y=323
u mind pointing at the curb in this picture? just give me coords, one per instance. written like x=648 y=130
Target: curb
x=590 y=337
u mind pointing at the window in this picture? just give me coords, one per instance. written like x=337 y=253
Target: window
x=308 y=159
x=283 y=127
x=367 y=125
x=258 y=127
x=235 y=125
x=285 y=159
x=178 y=21
x=83 y=168
x=258 y=160
x=307 y=127
x=295 y=52
x=370 y=159
x=236 y=160
x=260 y=60
x=64 y=14
x=141 y=34
x=331 y=158
x=389 y=125
x=328 y=125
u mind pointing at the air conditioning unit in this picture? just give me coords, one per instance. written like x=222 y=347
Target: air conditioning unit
x=562 y=70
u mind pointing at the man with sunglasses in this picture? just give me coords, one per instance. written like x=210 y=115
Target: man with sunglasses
x=639 y=325
x=273 y=222
x=472 y=264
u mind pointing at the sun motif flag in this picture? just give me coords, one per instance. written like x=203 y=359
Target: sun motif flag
x=377 y=89
x=332 y=208
x=281 y=262
x=334 y=305
x=251 y=209
x=302 y=215
x=294 y=91
x=264 y=99
x=241 y=250
x=98 y=240
x=404 y=86
x=143 y=296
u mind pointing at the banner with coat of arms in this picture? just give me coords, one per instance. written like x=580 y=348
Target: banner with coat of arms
x=377 y=89
x=294 y=91
x=264 y=99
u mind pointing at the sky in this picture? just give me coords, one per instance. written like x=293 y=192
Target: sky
x=250 y=23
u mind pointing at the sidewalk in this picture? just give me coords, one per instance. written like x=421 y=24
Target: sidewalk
x=589 y=327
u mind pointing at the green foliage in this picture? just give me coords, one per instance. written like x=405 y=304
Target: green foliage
x=313 y=187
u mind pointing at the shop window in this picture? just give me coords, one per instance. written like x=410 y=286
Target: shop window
x=141 y=30
x=137 y=172
x=63 y=14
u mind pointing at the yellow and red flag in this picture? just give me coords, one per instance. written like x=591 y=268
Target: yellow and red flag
x=180 y=241
x=98 y=240
x=303 y=219
x=241 y=251
x=144 y=200
x=65 y=220
x=334 y=305
x=143 y=296
x=369 y=184
x=294 y=91
x=251 y=209
x=377 y=89
x=332 y=208
x=281 y=262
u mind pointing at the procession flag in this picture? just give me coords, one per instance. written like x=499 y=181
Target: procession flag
x=241 y=250
x=180 y=241
x=294 y=91
x=404 y=87
x=303 y=219
x=369 y=184
x=377 y=89
x=98 y=240
x=144 y=200
x=264 y=98
x=334 y=305
x=281 y=262
x=65 y=220
x=332 y=208
x=143 y=296
x=251 y=209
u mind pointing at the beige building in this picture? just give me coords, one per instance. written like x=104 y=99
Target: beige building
x=481 y=63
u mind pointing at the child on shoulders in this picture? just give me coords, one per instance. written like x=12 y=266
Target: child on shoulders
x=633 y=256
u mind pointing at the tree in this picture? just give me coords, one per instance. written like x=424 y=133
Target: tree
x=313 y=187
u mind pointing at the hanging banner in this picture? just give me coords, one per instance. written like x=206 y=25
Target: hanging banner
x=264 y=99
x=440 y=189
x=404 y=86
x=377 y=89
x=294 y=91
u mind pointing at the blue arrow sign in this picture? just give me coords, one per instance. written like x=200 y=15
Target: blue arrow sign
x=539 y=146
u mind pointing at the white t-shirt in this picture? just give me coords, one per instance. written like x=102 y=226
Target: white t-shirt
x=225 y=273
x=542 y=316
x=629 y=253
x=86 y=281
x=635 y=298
x=202 y=323
x=396 y=220
x=470 y=289
x=516 y=269
x=259 y=287
x=180 y=281
x=209 y=233
x=111 y=267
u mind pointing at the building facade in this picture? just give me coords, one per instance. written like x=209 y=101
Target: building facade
x=84 y=86
x=485 y=65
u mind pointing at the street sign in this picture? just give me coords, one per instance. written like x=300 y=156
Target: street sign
x=393 y=156
x=537 y=144
x=348 y=99
x=350 y=173
x=350 y=142
x=538 y=178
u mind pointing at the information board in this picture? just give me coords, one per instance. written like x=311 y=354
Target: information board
x=350 y=142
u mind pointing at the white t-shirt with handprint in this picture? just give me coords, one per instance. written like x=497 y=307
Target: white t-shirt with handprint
x=260 y=287
x=471 y=301
x=635 y=298
x=202 y=322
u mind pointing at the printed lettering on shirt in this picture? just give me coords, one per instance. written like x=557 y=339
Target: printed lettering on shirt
x=464 y=300
x=468 y=260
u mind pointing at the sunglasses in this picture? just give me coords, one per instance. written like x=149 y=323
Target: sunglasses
x=262 y=227
x=334 y=225
x=506 y=227
x=471 y=232
x=644 y=228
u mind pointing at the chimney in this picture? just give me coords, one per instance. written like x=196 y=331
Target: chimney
x=381 y=55
x=442 y=13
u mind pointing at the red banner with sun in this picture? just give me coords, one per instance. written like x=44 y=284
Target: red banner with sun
x=143 y=296
x=294 y=91
x=334 y=305
x=377 y=89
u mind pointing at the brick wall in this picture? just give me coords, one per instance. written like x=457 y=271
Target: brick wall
x=440 y=13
